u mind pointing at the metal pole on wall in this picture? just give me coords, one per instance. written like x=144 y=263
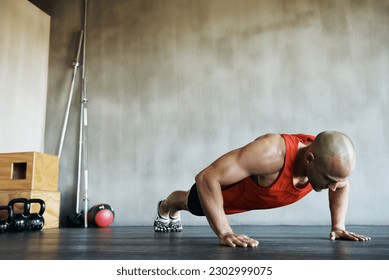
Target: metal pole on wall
x=83 y=137
x=76 y=64
x=84 y=102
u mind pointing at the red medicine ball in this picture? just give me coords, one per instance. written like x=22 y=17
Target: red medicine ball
x=101 y=215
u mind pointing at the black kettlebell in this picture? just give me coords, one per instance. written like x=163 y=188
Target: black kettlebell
x=36 y=221
x=6 y=223
x=20 y=219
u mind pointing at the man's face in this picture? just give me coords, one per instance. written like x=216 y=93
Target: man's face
x=321 y=178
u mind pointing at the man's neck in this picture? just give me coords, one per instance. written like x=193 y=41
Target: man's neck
x=299 y=174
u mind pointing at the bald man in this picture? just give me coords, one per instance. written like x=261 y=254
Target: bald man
x=274 y=170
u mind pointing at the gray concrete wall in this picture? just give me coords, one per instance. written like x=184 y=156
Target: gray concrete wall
x=24 y=55
x=174 y=84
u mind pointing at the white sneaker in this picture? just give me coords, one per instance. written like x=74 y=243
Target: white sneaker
x=161 y=224
x=175 y=224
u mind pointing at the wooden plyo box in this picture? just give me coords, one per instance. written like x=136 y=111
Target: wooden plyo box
x=51 y=199
x=31 y=175
x=29 y=171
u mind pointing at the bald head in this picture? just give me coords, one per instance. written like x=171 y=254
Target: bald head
x=336 y=151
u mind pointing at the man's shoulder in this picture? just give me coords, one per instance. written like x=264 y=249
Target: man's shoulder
x=271 y=143
x=273 y=137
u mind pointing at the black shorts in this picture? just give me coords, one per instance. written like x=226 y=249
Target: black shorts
x=194 y=205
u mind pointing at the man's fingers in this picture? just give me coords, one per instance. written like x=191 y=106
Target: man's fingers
x=351 y=236
x=359 y=237
x=348 y=235
x=231 y=242
x=245 y=241
x=239 y=240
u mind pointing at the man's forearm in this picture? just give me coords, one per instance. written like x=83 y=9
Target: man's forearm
x=338 y=206
x=211 y=199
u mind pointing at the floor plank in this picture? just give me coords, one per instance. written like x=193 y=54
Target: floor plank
x=195 y=243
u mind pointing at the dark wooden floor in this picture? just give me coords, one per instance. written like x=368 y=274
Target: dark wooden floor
x=195 y=243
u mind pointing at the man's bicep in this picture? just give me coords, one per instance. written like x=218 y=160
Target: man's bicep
x=256 y=158
x=263 y=156
x=226 y=170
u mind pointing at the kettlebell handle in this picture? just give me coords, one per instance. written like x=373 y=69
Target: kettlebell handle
x=10 y=212
x=25 y=201
x=42 y=205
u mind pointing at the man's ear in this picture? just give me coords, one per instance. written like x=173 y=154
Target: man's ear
x=309 y=157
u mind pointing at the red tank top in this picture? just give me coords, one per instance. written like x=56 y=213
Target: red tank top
x=246 y=195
